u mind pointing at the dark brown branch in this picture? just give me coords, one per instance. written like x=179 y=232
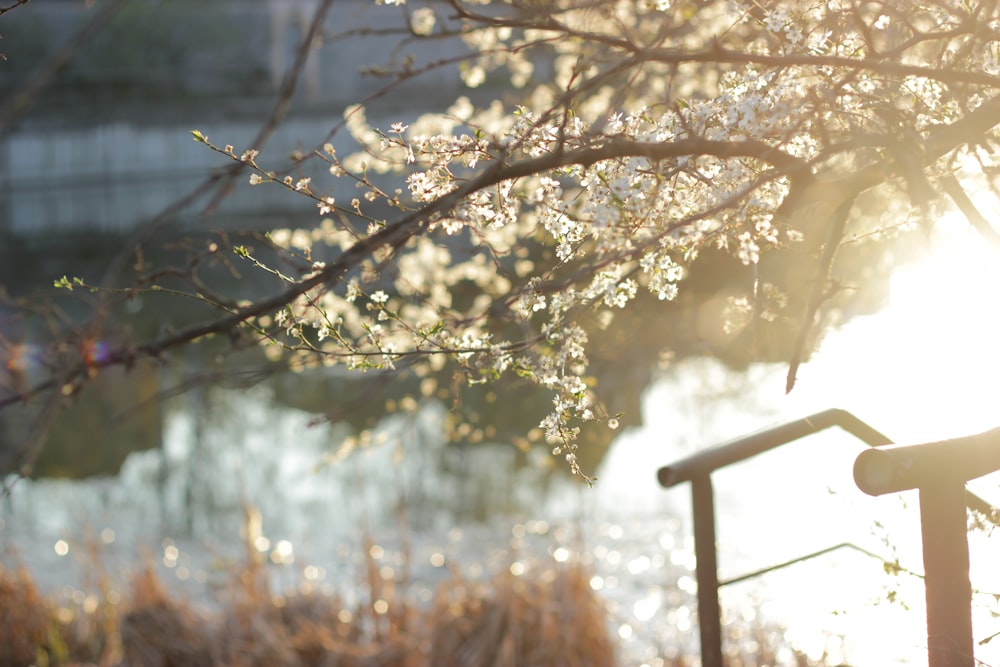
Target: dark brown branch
x=542 y=20
x=397 y=234
x=968 y=129
x=831 y=193
x=801 y=205
x=10 y=8
x=837 y=195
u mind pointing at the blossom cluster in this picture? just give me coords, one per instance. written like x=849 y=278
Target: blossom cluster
x=644 y=132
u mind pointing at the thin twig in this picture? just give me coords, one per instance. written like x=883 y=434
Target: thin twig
x=820 y=293
x=23 y=100
x=10 y=8
x=283 y=104
x=978 y=221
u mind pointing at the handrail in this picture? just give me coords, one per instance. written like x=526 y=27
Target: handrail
x=937 y=469
x=737 y=450
x=873 y=467
x=894 y=469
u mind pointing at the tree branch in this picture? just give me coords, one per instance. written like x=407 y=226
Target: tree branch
x=9 y=8
x=979 y=222
x=621 y=148
x=720 y=54
x=23 y=100
x=397 y=234
x=820 y=293
x=836 y=194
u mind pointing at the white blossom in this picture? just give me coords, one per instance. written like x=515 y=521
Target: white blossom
x=422 y=21
x=584 y=186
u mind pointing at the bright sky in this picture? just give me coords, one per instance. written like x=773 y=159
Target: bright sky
x=925 y=368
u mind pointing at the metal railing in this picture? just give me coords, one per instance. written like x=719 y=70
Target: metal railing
x=939 y=470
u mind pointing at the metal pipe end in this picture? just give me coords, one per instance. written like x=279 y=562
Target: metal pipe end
x=874 y=472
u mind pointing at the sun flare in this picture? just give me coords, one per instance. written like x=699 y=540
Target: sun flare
x=927 y=366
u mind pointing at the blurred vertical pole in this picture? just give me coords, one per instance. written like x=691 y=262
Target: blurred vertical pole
x=943 y=523
x=709 y=621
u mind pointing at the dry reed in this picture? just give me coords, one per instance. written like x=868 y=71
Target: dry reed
x=550 y=618
x=547 y=616
x=24 y=617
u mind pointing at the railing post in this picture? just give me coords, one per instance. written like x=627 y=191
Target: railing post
x=946 y=570
x=939 y=470
x=709 y=613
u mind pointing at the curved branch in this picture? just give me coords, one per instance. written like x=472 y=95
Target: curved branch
x=10 y=8
x=284 y=100
x=835 y=194
x=720 y=54
x=622 y=148
x=801 y=201
x=397 y=234
x=21 y=101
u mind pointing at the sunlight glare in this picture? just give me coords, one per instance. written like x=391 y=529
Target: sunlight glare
x=921 y=368
x=945 y=320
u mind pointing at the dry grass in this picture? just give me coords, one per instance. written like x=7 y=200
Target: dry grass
x=546 y=617
x=24 y=617
x=552 y=619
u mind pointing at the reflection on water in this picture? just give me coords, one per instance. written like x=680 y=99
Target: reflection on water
x=225 y=454
x=228 y=451
x=233 y=459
